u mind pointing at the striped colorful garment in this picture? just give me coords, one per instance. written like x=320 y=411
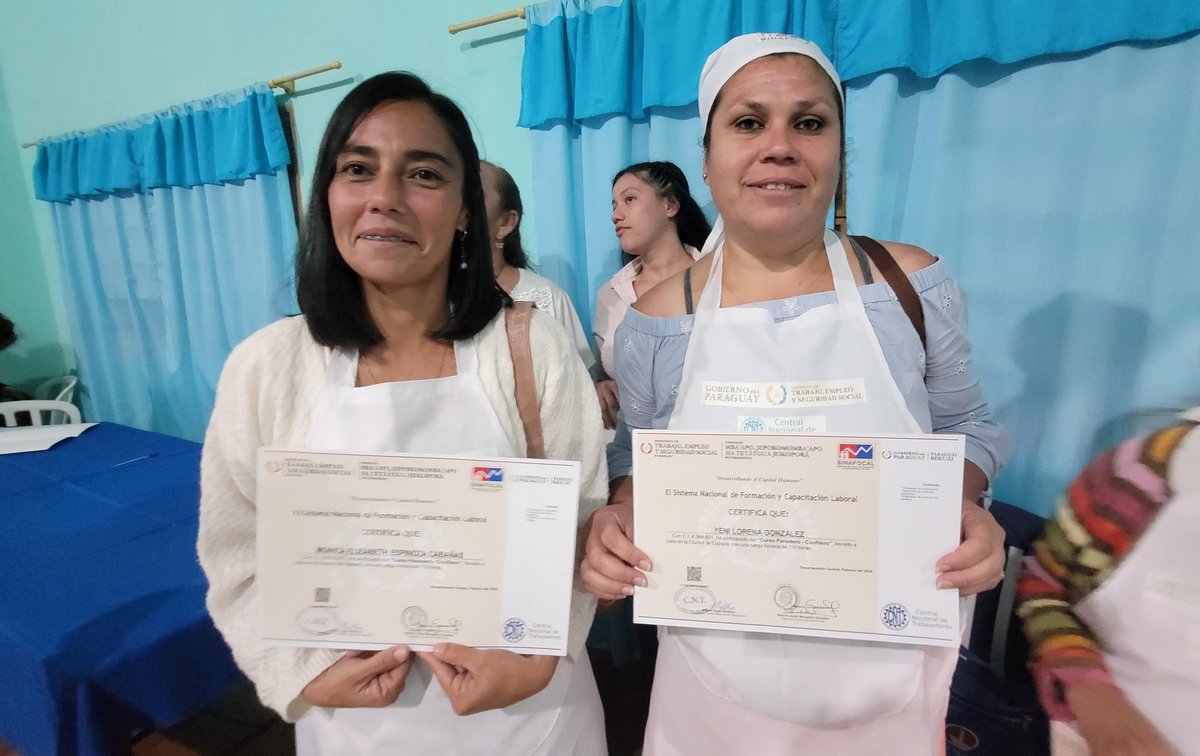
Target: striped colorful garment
x=1098 y=521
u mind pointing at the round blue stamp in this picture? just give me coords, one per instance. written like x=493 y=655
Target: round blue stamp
x=514 y=630
x=894 y=616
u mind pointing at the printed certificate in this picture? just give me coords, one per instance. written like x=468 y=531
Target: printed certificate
x=833 y=536
x=366 y=551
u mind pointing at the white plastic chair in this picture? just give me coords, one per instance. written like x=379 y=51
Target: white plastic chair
x=61 y=388
x=59 y=413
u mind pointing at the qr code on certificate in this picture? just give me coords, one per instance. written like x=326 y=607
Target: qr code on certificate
x=321 y=595
x=693 y=574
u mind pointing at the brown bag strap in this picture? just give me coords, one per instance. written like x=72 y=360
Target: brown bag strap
x=516 y=320
x=909 y=300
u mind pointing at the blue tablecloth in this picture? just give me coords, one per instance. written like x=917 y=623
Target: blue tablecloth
x=103 y=628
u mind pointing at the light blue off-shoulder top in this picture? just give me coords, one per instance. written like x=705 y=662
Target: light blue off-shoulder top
x=939 y=385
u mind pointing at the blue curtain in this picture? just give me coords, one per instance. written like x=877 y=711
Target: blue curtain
x=588 y=58
x=1044 y=149
x=176 y=233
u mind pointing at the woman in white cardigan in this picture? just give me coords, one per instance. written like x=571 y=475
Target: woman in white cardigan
x=402 y=347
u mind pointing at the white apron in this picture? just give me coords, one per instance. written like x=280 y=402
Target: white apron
x=719 y=692
x=1146 y=614
x=448 y=415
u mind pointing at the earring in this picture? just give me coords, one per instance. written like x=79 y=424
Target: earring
x=704 y=176
x=462 y=252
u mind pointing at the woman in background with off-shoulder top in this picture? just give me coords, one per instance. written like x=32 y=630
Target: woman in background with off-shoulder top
x=661 y=227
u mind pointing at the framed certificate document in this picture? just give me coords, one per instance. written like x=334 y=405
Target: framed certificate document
x=833 y=536
x=366 y=551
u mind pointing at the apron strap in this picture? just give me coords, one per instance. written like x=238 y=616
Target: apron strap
x=516 y=321
x=898 y=281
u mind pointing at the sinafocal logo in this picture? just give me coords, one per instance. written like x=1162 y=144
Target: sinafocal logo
x=856 y=451
x=856 y=455
x=488 y=474
x=489 y=479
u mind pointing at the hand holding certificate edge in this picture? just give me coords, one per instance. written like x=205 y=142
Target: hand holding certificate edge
x=612 y=565
x=978 y=562
x=361 y=679
x=476 y=680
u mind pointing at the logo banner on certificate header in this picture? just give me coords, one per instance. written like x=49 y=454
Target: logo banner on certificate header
x=367 y=551
x=823 y=535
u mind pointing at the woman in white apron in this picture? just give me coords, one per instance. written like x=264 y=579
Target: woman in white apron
x=773 y=144
x=1111 y=605
x=402 y=347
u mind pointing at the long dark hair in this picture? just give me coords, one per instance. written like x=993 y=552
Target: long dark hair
x=668 y=180
x=329 y=292
x=510 y=200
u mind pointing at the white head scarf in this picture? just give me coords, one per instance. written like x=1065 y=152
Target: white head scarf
x=730 y=58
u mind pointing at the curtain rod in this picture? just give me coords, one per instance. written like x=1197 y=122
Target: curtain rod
x=286 y=83
x=518 y=13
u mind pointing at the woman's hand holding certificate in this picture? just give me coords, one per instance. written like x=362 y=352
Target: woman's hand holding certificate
x=361 y=678
x=609 y=549
x=476 y=680
x=978 y=562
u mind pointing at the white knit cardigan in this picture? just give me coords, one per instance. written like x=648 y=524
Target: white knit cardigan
x=268 y=389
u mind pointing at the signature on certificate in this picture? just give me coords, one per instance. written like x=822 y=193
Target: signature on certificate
x=818 y=607
x=788 y=599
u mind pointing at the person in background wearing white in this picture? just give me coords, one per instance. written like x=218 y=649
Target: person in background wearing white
x=661 y=227
x=511 y=264
x=402 y=347
x=780 y=299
